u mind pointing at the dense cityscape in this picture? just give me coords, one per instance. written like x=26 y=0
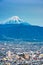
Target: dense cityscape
x=21 y=53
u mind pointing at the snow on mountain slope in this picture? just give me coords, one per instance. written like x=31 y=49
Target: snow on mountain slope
x=15 y=20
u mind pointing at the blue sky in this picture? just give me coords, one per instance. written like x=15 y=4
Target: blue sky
x=29 y=10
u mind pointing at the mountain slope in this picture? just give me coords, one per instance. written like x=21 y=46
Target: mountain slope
x=20 y=31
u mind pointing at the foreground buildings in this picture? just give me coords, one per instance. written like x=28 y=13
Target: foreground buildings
x=21 y=54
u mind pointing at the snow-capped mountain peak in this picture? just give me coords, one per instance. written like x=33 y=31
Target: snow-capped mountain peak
x=14 y=20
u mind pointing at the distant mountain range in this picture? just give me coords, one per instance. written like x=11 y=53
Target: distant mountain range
x=16 y=28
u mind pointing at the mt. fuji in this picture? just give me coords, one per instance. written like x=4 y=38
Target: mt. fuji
x=15 y=28
x=15 y=20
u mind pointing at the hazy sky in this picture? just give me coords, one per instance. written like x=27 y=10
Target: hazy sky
x=29 y=10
